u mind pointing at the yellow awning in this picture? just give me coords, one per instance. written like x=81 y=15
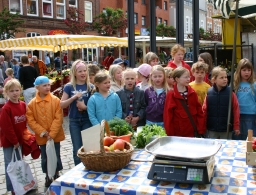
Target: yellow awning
x=61 y=42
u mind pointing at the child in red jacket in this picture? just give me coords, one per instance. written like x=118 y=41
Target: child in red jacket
x=176 y=119
x=13 y=123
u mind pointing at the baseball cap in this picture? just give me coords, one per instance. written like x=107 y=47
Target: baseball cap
x=118 y=61
x=126 y=62
x=41 y=80
x=144 y=69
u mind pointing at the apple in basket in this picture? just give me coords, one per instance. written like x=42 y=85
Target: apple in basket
x=108 y=141
x=119 y=144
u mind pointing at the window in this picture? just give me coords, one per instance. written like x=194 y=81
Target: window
x=32 y=7
x=47 y=8
x=143 y=20
x=159 y=21
x=209 y=26
x=187 y=25
x=165 y=5
x=135 y=18
x=33 y=34
x=60 y=9
x=202 y=24
x=72 y=3
x=15 y=6
x=215 y=28
x=165 y=22
x=88 y=11
x=192 y=24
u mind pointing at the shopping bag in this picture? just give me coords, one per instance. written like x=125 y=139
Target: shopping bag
x=51 y=158
x=20 y=175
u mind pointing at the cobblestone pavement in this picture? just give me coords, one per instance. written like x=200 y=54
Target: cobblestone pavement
x=35 y=165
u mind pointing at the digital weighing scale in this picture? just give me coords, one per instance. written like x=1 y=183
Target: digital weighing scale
x=182 y=171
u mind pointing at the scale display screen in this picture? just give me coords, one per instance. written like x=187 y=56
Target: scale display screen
x=195 y=174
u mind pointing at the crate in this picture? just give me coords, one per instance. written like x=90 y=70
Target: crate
x=250 y=155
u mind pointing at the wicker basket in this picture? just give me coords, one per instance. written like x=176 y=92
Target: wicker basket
x=106 y=161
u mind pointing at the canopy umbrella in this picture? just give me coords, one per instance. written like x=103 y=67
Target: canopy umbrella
x=242 y=8
x=62 y=42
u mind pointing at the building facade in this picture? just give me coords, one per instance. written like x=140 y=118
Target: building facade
x=213 y=24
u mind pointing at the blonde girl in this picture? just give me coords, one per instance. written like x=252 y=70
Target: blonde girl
x=155 y=96
x=245 y=89
x=151 y=58
x=12 y=128
x=75 y=96
x=176 y=119
x=216 y=111
x=104 y=104
x=169 y=77
x=116 y=79
x=9 y=73
x=178 y=53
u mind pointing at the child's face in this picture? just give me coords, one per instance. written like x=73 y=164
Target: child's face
x=92 y=79
x=170 y=81
x=221 y=80
x=200 y=59
x=153 y=62
x=81 y=74
x=199 y=75
x=178 y=57
x=118 y=74
x=157 y=78
x=184 y=79
x=14 y=93
x=44 y=89
x=104 y=86
x=245 y=74
x=129 y=80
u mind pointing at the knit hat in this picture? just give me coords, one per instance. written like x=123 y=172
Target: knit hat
x=41 y=80
x=144 y=69
x=118 y=61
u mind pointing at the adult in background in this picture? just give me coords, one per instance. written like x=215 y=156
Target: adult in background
x=47 y=60
x=15 y=67
x=65 y=59
x=39 y=65
x=3 y=66
x=57 y=63
x=27 y=76
x=108 y=61
x=120 y=62
x=177 y=53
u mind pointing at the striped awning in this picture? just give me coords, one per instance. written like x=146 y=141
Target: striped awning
x=61 y=42
x=246 y=8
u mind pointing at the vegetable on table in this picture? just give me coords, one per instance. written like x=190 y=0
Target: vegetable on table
x=254 y=145
x=120 y=127
x=147 y=132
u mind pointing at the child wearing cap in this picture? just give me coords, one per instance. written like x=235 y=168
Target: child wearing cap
x=45 y=118
x=12 y=125
x=143 y=76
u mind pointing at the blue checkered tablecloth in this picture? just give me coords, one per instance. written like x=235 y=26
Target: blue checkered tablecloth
x=231 y=176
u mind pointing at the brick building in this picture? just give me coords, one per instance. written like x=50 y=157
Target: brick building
x=44 y=16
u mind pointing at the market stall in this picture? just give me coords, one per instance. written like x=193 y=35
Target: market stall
x=231 y=176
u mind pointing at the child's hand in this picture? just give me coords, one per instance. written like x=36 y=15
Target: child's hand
x=80 y=105
x=78 y=94
x=135 y=120
x=237 y=132
x=16 y=145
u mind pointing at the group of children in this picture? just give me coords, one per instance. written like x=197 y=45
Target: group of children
x=149 y=94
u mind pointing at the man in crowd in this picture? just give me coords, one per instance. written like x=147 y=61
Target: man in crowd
x=39 y=65
x=47 y=60
x=57 y=63
x=108 y=61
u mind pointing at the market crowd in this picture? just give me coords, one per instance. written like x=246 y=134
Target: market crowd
x=186 y=101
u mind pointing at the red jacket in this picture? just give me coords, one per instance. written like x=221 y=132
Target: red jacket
x=185 y=65
x=176 y=120
x=13 y=123
x=108 y=61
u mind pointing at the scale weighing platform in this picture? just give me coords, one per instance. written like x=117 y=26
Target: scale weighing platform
x=178 y=170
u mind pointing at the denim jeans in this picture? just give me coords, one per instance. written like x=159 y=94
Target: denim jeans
x=44 y=157
x=29 y=94
x=7 y=160
x=75 y=127
x=247 y=121
x=155 y=123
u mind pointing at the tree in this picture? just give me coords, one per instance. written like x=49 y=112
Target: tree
x=9 y=24
x=110 y=22
x=75 y=21
x=164 y=30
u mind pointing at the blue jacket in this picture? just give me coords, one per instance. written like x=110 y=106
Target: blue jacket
x=100 y=108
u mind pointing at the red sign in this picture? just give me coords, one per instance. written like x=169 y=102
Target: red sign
x=58 y=32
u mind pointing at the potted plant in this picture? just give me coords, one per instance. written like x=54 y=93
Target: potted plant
x=120 y=129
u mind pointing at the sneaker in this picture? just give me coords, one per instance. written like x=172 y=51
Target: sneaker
x=48 y=181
